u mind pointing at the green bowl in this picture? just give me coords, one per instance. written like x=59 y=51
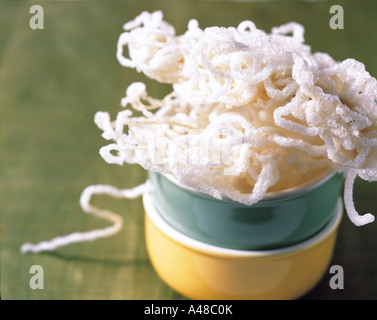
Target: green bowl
x=280 y=219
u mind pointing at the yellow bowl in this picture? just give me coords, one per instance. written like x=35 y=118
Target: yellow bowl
x=205 y=272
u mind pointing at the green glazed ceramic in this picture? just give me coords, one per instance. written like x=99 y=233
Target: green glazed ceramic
x=280 y=219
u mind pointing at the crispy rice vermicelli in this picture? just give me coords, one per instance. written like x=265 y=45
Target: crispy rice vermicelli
x=249 y=113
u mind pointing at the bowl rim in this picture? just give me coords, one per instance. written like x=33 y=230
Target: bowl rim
x=269 y=196
x=199 y=246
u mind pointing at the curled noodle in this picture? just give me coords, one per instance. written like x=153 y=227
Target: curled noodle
x=249 y=111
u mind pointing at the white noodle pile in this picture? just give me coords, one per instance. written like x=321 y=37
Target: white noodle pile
x=249 y=112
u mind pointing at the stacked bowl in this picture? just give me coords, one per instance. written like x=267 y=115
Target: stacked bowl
x=278 y=248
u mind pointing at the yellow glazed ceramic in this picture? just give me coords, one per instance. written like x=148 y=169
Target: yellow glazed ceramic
x=202 y=271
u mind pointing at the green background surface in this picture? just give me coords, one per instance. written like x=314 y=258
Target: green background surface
x=52 y=83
